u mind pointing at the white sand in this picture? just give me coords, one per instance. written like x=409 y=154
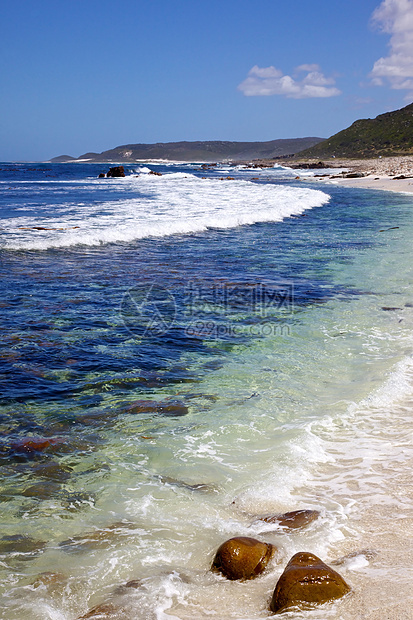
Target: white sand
x=386 y=183
x=379 y=173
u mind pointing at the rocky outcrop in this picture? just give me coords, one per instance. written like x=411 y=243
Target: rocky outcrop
x=306 y=581
x=318 y=165
x=354 y=175
x=242 y=558
x=116 y=171
x=293 y=520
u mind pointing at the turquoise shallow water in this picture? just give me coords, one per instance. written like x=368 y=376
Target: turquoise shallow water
x=176 y=386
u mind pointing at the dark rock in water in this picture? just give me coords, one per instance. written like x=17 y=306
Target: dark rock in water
x=54 y=583
x=96 y=418
x=102 y=175
x=49 y=579
x=202 y=487
x=52 y=471
x=115 y=608
x=157 y=174
x=42 y=490
x=390 y=308
x=126 y=587
x=116 y=171
x=242 y=557
x=293 y=520
x=134 y=583
x=166 y=408
x=307 y=581
x=97 y=539
x=29 y=446
x=104 y=611
x=18 y=543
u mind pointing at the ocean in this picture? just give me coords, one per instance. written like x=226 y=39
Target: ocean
x=183 y=353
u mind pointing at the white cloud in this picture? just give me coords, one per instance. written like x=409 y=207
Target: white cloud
x=264 y=81
x=395 y=17
x=308 y=68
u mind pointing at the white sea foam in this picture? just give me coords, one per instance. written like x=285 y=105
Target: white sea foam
x=176 y=203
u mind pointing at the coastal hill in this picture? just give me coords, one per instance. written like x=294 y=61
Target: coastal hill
x=386 y=135
x=197 y=151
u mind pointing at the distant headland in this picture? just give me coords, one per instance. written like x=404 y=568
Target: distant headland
x=388 y=135
x=205 y=151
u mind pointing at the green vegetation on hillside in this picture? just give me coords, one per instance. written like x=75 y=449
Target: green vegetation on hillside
x=387 y=134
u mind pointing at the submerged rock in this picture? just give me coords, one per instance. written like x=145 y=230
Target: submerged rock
x=293 y=520
x=133 y=584
x=306 y=581
x=117 y=606
x=52 y=471
x=29 y=446
x=242 y=557
x=103 y=611
x=49 y=579
x=18 y=543
x=166 y=408
x=98 y=538
x=42 y=490
x=202 y=487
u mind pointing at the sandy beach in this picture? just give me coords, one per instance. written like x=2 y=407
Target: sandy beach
x=380 y=173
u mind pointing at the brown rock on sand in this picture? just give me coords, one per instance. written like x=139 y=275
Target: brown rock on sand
x=306 y=581
x=242 y=557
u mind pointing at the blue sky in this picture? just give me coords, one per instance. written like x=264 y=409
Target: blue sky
x=89 y=75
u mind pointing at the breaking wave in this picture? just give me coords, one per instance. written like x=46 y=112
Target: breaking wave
x=157 y=206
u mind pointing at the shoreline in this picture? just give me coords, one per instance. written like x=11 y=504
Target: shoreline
x=384 y=183
x=393 y=174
